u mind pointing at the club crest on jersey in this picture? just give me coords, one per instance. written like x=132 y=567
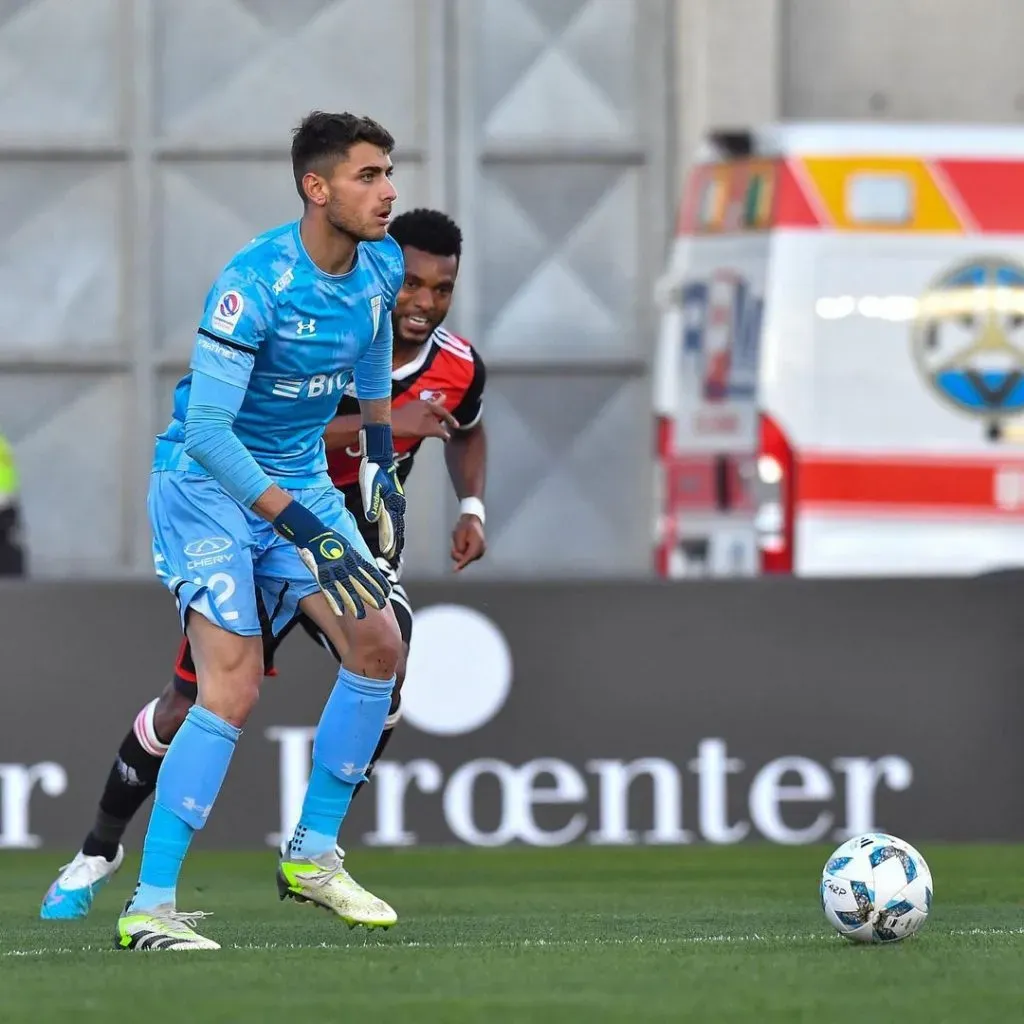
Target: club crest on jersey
x=375 y=313
x=227 y=312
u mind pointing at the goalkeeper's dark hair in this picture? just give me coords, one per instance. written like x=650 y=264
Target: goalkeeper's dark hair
x=429 y=231
x=321 y=140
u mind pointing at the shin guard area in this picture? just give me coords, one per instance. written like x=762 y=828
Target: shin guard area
x=351 y=724
x=195 y=766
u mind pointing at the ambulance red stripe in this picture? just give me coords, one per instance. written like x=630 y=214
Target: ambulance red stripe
x=910 y=484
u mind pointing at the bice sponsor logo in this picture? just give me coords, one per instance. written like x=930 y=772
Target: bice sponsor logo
x=312 y=387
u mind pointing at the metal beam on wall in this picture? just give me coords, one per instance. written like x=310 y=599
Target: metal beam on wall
x=562 y=170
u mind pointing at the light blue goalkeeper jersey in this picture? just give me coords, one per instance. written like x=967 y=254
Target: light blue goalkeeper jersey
x=292 y=337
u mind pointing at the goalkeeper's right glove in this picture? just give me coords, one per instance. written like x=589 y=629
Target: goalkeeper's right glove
x=348 y=581
x=381 y=490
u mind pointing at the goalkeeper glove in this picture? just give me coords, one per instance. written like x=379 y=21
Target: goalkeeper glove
x=383 y=497
x=347 y=580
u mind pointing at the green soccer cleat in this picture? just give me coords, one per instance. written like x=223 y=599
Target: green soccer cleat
x=160 y=928
x=324 y=882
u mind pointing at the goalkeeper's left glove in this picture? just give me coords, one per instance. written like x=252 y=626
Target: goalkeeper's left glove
x=347 y=580
x=383 y=497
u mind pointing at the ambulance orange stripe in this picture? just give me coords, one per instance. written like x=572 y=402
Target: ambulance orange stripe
x=930 y=209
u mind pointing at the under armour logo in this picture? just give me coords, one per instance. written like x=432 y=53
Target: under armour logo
x=190 y=804
x=305 y=327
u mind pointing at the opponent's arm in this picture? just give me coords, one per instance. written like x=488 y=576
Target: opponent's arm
x=383 y=497
x=417 y=419
x=343 y=432
x=466 y=458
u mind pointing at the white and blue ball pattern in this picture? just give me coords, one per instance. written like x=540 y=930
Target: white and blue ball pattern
x=876 y=888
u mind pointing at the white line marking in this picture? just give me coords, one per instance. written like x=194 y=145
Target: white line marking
x=637 y=940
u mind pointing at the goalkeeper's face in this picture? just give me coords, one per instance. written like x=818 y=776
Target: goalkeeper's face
x=360 y=193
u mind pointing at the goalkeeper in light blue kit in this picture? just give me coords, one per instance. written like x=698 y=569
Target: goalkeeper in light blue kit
x=240 y=502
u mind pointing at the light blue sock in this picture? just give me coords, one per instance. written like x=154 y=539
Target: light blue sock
x=190 y=778
x=167 y=841
x=350 y=726
x=323 y=811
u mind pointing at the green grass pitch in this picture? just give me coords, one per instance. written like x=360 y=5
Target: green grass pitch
x=581 y=934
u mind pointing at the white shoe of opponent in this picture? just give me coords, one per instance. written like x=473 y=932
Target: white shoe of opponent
x=72 y=892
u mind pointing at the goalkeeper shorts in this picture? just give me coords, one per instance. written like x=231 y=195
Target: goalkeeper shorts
x=216 y=556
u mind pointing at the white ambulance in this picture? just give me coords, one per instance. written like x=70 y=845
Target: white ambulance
x=839 y=385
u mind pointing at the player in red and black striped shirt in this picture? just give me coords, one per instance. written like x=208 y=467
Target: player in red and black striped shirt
x=437 y=391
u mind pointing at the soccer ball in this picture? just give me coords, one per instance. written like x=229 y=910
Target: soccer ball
x=876 y=888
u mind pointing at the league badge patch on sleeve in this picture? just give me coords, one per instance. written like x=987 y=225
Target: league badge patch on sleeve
x=227 y=312
x=375 y=313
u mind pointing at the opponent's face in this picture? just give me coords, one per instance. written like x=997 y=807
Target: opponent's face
x=357 y=193
x=425 y=296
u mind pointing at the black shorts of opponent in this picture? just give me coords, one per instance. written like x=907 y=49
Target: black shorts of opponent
x=185 y=668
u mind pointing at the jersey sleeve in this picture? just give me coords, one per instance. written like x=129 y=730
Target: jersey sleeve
x=210 y=440
x=372 y=373
x=470 y=410
x=391 y=261
x=235 y=322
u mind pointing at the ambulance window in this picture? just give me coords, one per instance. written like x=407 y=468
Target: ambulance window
x=876 y=198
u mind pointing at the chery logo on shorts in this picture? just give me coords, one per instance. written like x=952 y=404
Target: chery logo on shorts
x=209 y=551
x=207 y=546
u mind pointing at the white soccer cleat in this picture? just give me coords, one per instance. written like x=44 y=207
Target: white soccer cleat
x=161 y=928
x=71 y=895
x=324 y=882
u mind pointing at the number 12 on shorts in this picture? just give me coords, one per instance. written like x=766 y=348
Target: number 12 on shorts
x=222 y=587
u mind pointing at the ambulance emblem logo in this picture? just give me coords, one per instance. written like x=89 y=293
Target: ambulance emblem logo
x=721 y=329
x=968 y=339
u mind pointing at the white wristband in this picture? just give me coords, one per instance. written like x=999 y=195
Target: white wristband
x=472 y=507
